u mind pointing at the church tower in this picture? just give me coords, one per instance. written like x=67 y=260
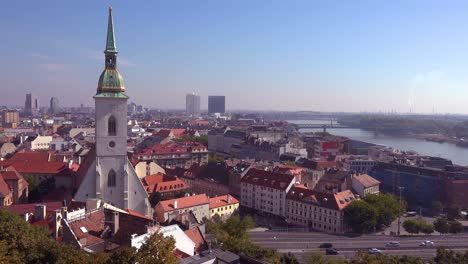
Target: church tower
x=112 y=177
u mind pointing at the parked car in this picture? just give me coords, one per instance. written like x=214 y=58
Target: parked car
x=326 y=245
x=393 y=244
x=331 y=251
x=426 y=243
x=374 y=251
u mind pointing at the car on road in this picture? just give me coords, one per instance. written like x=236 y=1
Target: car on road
x=393 y=244
x=426 y=243
x=374 y=251
x=326 y=245
x=331 y=251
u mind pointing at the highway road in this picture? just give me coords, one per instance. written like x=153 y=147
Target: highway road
x=300 y=243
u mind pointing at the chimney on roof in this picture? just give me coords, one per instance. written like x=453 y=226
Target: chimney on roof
x=228 y=198
x=175 y=204
x=115 y=222
x=57 y=223
x=39 y=212
x=64 y=211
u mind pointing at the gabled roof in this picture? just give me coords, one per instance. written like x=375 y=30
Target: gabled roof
x=222 y=200
x=196 y=236
x=268 y=179
x=337 y=201
x=366 y=180
x=184 y=202
x=4 y=188
x=89 y=228
x=35 y=166
x=31 y=156
x=21 y=209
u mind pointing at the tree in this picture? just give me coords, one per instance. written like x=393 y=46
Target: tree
x=387 y=207
x=426 y=228
x=361 y=216
x=441 y=225
x=453 y=213
x=124 y=255
x=411 y=226
x=288 y=258
x=455 y=227
x=450 y=257
x=157 y=250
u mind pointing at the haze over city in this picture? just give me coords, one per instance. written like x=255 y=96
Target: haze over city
x=262 y=55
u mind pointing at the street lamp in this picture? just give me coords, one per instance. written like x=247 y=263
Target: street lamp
x=399 y=211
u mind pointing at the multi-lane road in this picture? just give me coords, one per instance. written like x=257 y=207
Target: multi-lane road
x=301 y=243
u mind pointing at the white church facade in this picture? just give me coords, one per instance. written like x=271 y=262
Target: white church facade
x=111 y=177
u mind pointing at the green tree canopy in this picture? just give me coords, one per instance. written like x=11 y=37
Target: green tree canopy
x=442 y=225
x=361 y=216
x=157 y=250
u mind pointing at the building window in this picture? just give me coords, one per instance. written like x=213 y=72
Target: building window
x=111 y=178
x=111 y=126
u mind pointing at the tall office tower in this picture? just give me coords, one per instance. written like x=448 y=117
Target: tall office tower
x=192 y=104
x=216 y=104
x=31 y=106
x=10 y=118
x=54 y=105
x=109 y=176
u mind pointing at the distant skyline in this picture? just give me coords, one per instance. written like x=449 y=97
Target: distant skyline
x=324 y=55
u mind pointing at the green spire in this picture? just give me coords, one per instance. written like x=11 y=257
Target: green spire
x=110 y=43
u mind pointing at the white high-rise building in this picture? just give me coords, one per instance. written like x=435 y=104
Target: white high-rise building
x=192 y=104
x=110 y=176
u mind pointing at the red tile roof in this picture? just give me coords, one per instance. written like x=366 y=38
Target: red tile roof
x=10 y=174
x=170 y=186
x=20 y=209
x=137 y=214
x=196 y=236
x=336 y=201
x=269 y=179
x=89 y=228
x=366 y=180
x=35 y=166
x=31 y=155
x=4 y=188
x=154 y=179
x=185 y=202
x=222 y=200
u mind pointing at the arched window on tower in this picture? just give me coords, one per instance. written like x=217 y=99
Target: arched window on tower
x=112 y=126
x=111 y=179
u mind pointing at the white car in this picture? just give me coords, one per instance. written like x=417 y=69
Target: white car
x=427 y=243
x=393 y=244
x=375 y=251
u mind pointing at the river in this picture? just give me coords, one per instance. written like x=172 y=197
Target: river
x=458 y=155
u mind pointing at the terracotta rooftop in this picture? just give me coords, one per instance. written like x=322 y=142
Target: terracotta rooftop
x=269 y=179
x=222 y=200
x=185 y=202
x=336 y=201
x=366 y=180
x=196 y=236
x=87 y=230
x=4 y=188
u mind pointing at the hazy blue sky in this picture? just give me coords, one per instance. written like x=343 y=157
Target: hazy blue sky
x=284 y=55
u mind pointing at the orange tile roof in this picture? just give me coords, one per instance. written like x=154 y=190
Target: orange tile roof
x=171 y=186
x=154 y=179
x=336 y=201
x=366 y=180
x=137 y=214
x=185 y=202
x=195 y=235
x=4 y=188
x=222 y=201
